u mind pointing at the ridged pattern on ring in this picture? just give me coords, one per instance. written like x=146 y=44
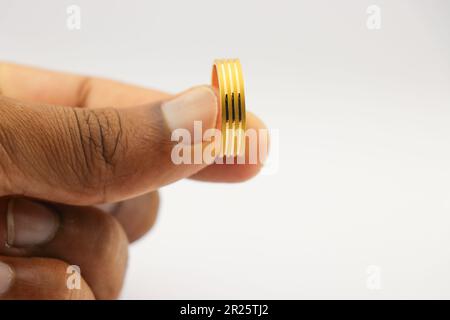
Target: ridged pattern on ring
x=227 y=78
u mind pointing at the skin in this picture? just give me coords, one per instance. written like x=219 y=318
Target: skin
x=37 y=110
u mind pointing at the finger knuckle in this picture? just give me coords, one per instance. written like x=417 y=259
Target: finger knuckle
x=60 y=272
x=52 y=277
x=97 y=134
x=111 y=232
x=78 y=148
x=111 y=252
x=7 y=144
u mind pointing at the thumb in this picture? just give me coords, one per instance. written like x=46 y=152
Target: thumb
x=87 y=156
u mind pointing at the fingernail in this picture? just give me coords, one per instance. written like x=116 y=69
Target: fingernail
x=6 y=277
x=30 y=223
x=197 y=104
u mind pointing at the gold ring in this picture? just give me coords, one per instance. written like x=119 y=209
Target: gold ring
x=228 y=80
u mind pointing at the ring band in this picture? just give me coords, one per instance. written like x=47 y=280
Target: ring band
x=228 y=80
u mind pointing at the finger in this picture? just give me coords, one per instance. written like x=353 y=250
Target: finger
x=39 y=278
x=50 y=87
x=137 y=215
x=82 y=236
x=88 y=156
x=256 y=149
x=36 y=85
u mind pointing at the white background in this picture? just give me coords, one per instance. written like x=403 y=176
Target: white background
x=364 y=122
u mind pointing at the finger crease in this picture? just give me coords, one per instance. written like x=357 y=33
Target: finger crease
x=83 y=92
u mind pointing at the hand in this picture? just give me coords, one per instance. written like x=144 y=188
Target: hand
x=67 y=141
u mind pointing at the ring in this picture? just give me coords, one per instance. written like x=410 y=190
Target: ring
x=228 y=80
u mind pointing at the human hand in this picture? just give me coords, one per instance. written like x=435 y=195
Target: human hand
x=109 y=143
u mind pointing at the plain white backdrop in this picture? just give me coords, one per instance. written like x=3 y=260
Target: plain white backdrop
x=360 y=204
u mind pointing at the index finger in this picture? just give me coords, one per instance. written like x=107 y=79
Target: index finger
x=35 y=85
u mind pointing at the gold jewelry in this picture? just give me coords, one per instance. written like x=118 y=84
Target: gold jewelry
x=227 y=79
